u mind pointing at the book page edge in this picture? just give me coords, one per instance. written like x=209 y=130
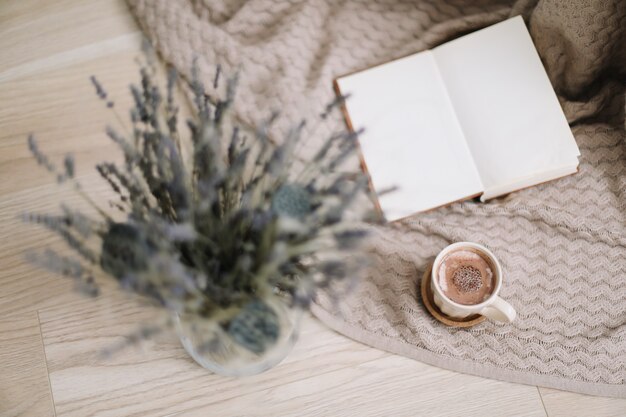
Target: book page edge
x=469 y=197
x=346 y=116
x=486 y=196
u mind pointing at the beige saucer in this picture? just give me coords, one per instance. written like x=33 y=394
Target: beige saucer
x=429 y=302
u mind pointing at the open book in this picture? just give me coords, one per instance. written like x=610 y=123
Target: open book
x=475 y=116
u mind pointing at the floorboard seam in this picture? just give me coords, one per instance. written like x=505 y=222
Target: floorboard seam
x=542 y=403
x=45 y=361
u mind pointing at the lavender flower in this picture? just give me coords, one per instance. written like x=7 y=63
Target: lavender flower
x=212 y=236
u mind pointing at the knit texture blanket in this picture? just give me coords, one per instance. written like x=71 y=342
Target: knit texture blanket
x=562 y=244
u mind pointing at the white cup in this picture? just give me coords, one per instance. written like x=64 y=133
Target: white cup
x=493 y=307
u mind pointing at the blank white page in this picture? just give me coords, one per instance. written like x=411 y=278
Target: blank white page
x=412 y=138
x=506 y=106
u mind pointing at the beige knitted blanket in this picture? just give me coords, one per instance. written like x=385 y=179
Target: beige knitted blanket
x=562 y=244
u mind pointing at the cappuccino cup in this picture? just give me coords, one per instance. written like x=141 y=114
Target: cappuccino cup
x=466 y=279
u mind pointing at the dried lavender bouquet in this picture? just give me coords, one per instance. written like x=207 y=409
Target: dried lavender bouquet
x=214 y=234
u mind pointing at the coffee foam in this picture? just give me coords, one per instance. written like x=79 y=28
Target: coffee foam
x=461 y=254
x=459 y=264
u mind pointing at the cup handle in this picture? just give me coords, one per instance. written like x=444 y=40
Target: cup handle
x=499 y=310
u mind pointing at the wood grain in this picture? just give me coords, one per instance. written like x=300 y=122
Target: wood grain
x=159 y=371
x=59 y=105
x=326 y=374
x=24 y=389
x=49 y=50
x=391 y=385
x=568 y=404
x=32 y=30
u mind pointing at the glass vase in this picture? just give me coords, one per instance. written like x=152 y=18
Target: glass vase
x=213 y=347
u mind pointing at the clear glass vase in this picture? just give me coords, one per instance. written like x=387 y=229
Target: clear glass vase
x=215 y=349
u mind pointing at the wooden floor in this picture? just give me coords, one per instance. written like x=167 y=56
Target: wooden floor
x=50 y=337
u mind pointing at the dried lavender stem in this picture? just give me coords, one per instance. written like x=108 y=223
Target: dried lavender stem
x=215 y=233
x=77 y=187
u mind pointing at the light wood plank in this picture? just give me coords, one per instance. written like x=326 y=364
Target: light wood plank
x=35 y=29
x=159 y=378
x=58 y=103
x=326 y=374
x=389 y=386
x=24 y=388
x=568 y=404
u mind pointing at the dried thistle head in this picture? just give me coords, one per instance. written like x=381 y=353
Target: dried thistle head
x=212 y=236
